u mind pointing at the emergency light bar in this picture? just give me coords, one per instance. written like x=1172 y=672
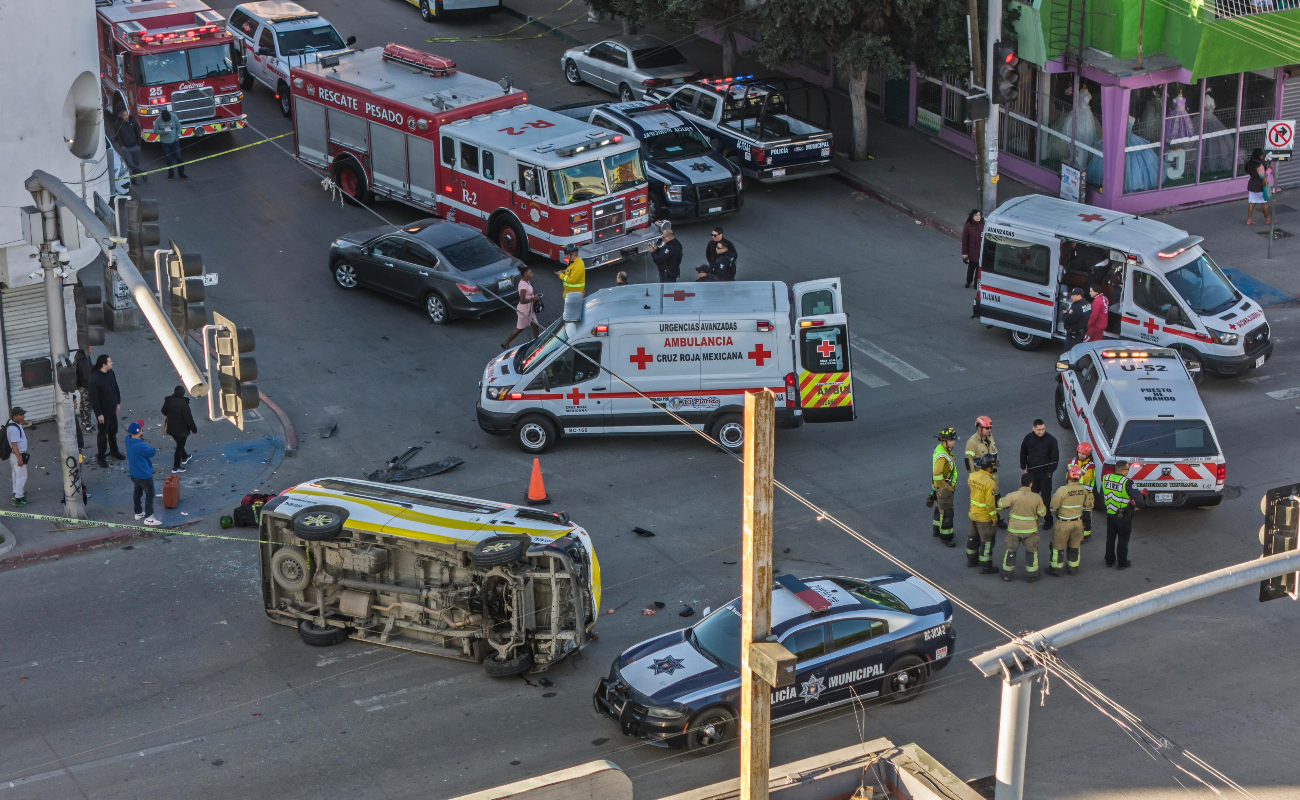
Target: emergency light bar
x=437 y=66
x=804 y=592
x=565 y=152
x=1181 y=246
x=1151 y=352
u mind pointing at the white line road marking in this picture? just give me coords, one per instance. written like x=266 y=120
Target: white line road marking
x=869 y=379
x=325 y=662
x=373 y=703
x=103 y=762
x=1285 y=394
x=893 y=362
x=1262 y=378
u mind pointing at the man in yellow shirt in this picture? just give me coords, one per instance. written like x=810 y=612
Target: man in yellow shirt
x=574 y=276
x=983 y=515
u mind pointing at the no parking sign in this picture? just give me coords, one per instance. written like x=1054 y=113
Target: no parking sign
x=1280 y=134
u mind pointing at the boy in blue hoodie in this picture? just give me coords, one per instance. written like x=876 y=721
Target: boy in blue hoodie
x=139 y=462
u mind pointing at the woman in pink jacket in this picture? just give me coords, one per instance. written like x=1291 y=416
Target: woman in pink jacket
x=1099 y=316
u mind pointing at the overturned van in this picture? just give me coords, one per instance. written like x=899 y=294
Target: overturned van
x=510 y=587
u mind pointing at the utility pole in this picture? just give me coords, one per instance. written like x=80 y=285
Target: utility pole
x=50 y=257
x=990 y=145
x=977 y=73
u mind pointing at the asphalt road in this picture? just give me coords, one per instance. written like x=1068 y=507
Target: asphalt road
x=153 y=672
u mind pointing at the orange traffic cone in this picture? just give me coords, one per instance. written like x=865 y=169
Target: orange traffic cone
x=536 y=489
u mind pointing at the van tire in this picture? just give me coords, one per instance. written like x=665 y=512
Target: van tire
x=508 y=669
x=1025 y=341
x=426 y=13
x=1062 y=413
x=535 y=434
x=319 y=523
x=729 y=431
x=285 y=99
x=316 y=636
x=290 y=569
x=497 y=551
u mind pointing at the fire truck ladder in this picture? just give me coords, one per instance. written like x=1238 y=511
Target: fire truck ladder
x=1065 y=31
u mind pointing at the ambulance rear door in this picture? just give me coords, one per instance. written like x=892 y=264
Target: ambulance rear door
x=1018 y=282
x=821 y=351
x=660 y=358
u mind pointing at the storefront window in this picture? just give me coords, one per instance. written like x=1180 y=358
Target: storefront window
x=1074 y=126
x=1219 y=134
x=1142 y=146
x=1182 y=133
x=1258 y=102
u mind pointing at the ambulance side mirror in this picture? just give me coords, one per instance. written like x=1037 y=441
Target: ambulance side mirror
x=1194 y=367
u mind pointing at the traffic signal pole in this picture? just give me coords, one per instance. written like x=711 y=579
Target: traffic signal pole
x=990 y=197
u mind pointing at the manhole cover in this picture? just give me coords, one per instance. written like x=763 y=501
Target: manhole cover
x=1232 y=492
x=199 y=481
x=1278 y=233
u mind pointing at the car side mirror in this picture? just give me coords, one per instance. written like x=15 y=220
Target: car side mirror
x=351 y=40
x=265 y=51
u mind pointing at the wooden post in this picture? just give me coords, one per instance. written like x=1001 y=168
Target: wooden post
x=756 y=598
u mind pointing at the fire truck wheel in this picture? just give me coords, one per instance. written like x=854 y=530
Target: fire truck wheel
x=426 y=13
x=245 y=80
x=534 y=434
x=436 y=308
x=655 y=211
x=571 y=73
x=286 y=99
x=510 y=237
x=625 y=93
x=1025 y=341
x=351 y=181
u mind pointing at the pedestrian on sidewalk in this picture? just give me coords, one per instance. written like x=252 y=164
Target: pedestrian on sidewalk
x=16 y=452
x=711 y=249
x=81 y=363
x=1099 y=315
x=106 y=402
x=168 y=129
x=1076 y=319
x=1257 y=186
x=139 y=455
x=972 y=240
x=178 y=423
x=668 y=257
x=129 y=137
x=724 y=263
x=1039 y=458
x=526 y=311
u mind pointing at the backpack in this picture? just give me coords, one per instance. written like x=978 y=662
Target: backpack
x=244 y=517
x=8 y=451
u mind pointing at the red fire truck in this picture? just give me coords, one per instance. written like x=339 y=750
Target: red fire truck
x=173 y=54
x=401 y=124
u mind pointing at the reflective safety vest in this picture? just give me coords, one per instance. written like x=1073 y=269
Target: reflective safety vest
x=574 y=277
x=1024 y=507
x=1114 y=490
x=944 y=471
x=1089 y=468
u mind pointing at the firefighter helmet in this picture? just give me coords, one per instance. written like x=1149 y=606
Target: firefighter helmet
x=1075 y=471
x=983 y=422
x=947 y=433
x=986 y=461
x=1084 y=449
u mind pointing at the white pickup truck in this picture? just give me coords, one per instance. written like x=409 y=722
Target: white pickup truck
x=272 y=36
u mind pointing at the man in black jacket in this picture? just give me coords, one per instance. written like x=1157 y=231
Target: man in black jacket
x=1039 y=457
x=106 y=402
x=130 y=138
x=1076 y=318
x=668 y=257
x=711 y=249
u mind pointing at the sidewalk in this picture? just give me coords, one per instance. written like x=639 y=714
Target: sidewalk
x=914 y=175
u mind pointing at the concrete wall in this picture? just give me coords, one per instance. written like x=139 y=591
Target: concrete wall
x=51 y=66
x=595 y=780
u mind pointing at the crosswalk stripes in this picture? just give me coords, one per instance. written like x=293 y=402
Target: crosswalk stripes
x=870 y=380
x=1284 y=394
x=888 y=360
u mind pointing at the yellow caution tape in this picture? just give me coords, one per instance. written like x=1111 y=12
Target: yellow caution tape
x=90 y=523
x=214 y=155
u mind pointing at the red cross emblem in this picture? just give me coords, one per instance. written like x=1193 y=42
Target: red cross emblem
x=759 y=354
x=1091 y=217
x=826 y=348
x=1151 y=325
x=574 y=396
x=1024 y=256
x=679 y=295
x=641 y=358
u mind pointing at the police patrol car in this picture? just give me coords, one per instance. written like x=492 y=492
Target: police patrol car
x=752 y=124
x=1140 y=404
x=853 y=638
x=617 y=361
x=274 y=35
x=688 y=178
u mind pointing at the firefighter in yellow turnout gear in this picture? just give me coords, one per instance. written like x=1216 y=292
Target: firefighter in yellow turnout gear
x=983 y=516
x=982 y=444
x=1069 y=504
x=574 y=276
x=1025 y=508
x=1088 y=480
x=944 y=484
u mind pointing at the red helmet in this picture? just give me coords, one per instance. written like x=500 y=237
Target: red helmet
x=1085 y=449
x=983 y=422
x=1076 y=471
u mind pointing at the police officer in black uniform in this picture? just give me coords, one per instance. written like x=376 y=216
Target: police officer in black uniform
x=1076 y=318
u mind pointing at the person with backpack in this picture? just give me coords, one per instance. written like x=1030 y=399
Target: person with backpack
x=16 y=451
x=139 y=462
x=178 y=423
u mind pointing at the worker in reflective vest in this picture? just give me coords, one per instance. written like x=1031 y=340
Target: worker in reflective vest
x=983 y=515
x=1087 y=479
x=1024 y=509
x=944 y=484
x=1069 y=504
x=1120 y=503
x=574 y=276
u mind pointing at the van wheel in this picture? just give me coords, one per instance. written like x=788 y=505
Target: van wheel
x=289 y=569
x=510 y=237
x=286 y=99
x=535 y=434
x=497 y=551
x=319 y=523
x=351 y=181
x=245 y=80
x=729 y=431
x=426 y=13
x=904 y=679
x=710 y=731
x=317 y=636
x=1062 y=413
x=1025 y=341
x=508 y=669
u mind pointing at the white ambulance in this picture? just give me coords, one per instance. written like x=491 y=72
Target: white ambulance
x=618 y=360
x=1164 y=288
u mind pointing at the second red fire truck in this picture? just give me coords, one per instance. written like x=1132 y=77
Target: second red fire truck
x=401 y=124
x=172 y=54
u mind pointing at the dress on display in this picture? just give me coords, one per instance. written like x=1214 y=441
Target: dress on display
x=1084 y=125
x=1178 y=123
x=1141 y=167
x=1218 y=153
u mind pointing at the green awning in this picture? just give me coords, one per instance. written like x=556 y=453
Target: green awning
x=1029 y=33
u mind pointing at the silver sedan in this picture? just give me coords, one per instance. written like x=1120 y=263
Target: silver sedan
x=628 y=65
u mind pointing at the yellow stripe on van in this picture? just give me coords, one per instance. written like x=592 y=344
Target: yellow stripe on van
x=411 y=516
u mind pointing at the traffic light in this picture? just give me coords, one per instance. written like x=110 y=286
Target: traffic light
x=142 y=234
x=185 y=290
x=1280 y=534
x=235 y=369
x=1006 y=73
x=88 y=305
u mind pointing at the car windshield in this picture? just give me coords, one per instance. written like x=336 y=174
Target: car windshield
x=656 y=57
x=1203 y=286
x=674 y=143
x=718 y=636
x=623 y=171
x=202 y=62
x=308 y=40
x=577 y=183
x=1166 y=438
x=472 y=253
x=536 y=351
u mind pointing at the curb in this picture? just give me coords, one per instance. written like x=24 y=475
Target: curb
x=551 y=29
x=10 y=540
x=901 y=206
x=71 y=548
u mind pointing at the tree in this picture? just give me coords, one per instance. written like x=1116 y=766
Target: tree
x=632 y=13
x=883 y=36
x=721 y=14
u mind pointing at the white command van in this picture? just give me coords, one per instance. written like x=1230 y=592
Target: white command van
x=1164 y=289
x=618 y=360
x=1139 y=404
